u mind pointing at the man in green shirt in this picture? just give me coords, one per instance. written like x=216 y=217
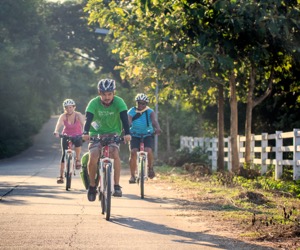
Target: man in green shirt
x=106 y=115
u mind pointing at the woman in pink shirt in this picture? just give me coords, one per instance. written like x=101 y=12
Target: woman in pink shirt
x=72 y=123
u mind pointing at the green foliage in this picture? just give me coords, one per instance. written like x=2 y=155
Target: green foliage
x=284 y=187
x=192 y=46
x=197 y=155
x=27 y=79
x=269 y=184
x=35 y=76
x=184 y=48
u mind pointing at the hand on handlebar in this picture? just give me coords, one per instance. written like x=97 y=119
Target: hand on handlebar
x=127 y=138
x=86 y=137
x=157 y=131
x=56 y=134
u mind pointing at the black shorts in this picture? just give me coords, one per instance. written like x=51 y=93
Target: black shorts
x=148 y=142
x=76 y=141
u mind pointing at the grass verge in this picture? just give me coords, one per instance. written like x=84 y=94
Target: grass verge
x=259 y=214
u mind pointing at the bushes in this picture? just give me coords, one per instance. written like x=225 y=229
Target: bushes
x=182 y=156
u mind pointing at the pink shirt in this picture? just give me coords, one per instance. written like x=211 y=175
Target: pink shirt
x=72 y=129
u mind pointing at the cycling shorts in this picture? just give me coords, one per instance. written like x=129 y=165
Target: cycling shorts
x=148 y=142
x=97 y=145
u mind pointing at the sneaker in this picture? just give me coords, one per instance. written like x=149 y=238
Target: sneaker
x=60 y=180
x=132 y=180
x=151 y=173
x=118 y=191
x=91 y=194
x=78 y=165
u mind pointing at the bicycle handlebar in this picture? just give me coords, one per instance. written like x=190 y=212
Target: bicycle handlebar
x=143 y=135
x=104 y=141
x=76 y=137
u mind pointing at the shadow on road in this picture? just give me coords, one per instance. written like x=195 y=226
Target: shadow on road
x=199 y=239
x=17 y=193
x=184 y=204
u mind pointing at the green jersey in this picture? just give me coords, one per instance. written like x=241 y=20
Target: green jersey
x=106 y=119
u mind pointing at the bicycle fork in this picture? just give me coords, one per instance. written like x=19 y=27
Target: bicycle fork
x=106 y=163
x=142 y=156
x=70 y=155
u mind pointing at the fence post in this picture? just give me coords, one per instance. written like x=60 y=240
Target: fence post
x=183 y=142
x=240 y=146
x=198 y=142
x=229 y=154
x=278 y=161
x=264 y=153
x=214 y=155
x=296 y=165
x=201 y=142
x=252 y=145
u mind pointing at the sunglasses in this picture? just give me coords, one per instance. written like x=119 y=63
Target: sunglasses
x=142 y=103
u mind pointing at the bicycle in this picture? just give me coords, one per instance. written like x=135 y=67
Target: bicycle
x=70 y=159
x=142 y=165
x=106 y=172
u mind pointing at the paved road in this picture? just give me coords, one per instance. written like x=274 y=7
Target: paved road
x=36 y=213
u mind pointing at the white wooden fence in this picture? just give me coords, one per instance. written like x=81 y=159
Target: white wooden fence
x=279 y=149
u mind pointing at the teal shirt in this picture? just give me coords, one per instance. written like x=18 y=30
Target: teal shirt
x=140 y=126
x=107 y=118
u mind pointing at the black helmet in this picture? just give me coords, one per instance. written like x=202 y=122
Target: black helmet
x=106 y=85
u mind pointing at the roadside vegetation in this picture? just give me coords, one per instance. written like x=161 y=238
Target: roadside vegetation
x=259 y=207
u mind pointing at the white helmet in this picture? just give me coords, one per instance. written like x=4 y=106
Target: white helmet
x=106 y=85
x=68 y=102
x=142 y=97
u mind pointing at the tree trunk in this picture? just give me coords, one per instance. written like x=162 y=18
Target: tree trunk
x=251 y=103
x=233 y=124
x=220 y=161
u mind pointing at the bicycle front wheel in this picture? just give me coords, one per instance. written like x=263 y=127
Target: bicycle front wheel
x=68 y=174
x=142 y=178
x=106 y=195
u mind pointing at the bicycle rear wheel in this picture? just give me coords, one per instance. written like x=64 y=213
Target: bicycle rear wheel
x=142 y=178
x=68 y=174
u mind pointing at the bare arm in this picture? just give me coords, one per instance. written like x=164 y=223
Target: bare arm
x=81 y=118
x=59 y=124
x=155 y=123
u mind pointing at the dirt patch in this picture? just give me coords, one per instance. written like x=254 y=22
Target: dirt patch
x=253 y=197
x=225 y=215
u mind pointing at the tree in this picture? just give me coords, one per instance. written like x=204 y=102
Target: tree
x=28 y=79
x=196 y=46
x=269 y=27
x=78 y=41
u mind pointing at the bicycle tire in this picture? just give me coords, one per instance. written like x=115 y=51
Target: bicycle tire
x=68 y=175
x=142 y=178
x=102 y=202
x=108 y=191
x=101 y=195
x=105 y=196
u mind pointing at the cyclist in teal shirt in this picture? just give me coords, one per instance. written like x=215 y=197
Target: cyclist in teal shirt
x=106 y=115
x=142 y=121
